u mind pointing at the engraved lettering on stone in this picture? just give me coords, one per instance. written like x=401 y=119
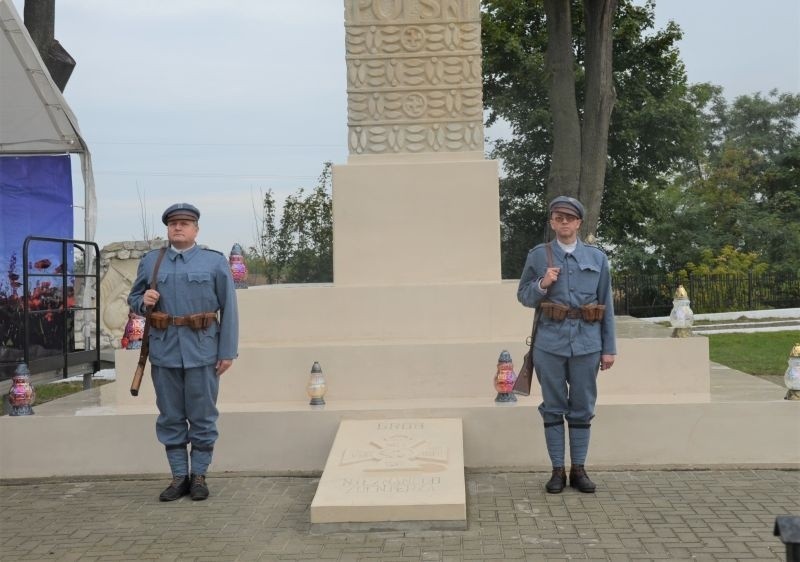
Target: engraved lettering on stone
x=397 y=452
x=387 y=9
x=368 y=11
x=400 y=426
x=411 y=484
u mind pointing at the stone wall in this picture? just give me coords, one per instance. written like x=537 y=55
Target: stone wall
x=118 y=264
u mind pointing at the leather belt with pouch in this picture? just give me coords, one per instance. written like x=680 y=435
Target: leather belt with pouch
x=199 y=321
x=560 y=312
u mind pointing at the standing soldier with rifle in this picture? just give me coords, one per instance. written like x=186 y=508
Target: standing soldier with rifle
x=189 y=297
x=569 y=284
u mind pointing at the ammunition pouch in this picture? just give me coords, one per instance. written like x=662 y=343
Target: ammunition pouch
x=159 y=320
x=554 y=311
x=560 y=312
x=199 y=321
x=593 y=312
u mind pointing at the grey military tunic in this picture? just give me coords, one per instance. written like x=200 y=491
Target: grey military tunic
x=197 y=280
x=585 y=278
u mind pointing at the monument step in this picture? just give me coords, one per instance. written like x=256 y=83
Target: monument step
x=732 y=430
x=654 y=369
x=308 y=315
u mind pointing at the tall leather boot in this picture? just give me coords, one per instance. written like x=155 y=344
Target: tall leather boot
x=557 y=481
x=579 y=480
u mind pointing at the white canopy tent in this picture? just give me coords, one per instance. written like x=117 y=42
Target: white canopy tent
x=34 y=116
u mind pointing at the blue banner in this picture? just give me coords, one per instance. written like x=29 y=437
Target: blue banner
x=35 y=200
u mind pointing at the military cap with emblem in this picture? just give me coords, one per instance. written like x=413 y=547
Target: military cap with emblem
x=567 y=205
x=180 y=211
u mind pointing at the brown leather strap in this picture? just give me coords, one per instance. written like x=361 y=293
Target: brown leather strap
x=537 y=314
x=145 y=349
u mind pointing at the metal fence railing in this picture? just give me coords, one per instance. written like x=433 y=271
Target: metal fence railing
x=651 y=295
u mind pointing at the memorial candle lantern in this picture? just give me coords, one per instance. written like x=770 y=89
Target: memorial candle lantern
x=792 y=376
x=238 y=267
x=134 y=332
x=681 y=317
x=316 y=386
x=21 y=395
x=505 y=378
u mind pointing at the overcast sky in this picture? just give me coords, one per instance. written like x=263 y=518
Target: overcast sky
x=211 y=101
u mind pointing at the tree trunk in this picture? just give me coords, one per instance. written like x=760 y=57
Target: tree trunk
x=40 y=17
x=599 y=102
x=565 y=162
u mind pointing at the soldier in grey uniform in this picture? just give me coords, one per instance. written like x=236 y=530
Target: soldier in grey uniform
x=569 y=283
x=193 y=340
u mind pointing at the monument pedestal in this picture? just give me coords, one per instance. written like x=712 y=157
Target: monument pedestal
x=416 y=220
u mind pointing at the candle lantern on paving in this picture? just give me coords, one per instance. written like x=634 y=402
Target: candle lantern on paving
x=504 y=378
x=681 y=318
x=316 y=386
x=238 y=267
x=792 y=377
x=21 y=394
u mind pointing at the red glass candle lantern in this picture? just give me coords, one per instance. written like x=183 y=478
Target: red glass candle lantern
x=505 y=378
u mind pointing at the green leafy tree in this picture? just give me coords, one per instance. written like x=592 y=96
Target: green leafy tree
x=738 y=192
x=262 y=255
x=654 y=126
x=300 y=248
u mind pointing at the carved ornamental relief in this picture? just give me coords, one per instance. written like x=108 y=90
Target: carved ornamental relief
x=413 y=76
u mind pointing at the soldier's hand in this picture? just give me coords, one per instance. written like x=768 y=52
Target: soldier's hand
x=150 y=297
x=550 y=277
x=223 y=365
x=606 y=362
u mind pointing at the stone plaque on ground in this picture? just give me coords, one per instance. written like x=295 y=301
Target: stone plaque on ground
x=394 y=471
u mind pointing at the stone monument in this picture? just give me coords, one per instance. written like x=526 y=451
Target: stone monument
x=413 y=324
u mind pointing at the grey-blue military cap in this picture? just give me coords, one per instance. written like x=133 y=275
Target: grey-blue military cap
x=568 y=205
x=180 y=211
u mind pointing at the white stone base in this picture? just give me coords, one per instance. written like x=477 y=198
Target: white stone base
x=736 y=428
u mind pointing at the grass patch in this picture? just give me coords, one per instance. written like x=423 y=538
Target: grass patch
x=758 y=353
x=56 y=390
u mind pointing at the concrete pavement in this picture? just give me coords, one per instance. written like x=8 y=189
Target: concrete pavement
x=704 y=515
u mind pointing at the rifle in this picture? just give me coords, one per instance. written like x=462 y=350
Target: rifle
x=145 y=350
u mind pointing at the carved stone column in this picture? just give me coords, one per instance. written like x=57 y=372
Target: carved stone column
x=417 y=202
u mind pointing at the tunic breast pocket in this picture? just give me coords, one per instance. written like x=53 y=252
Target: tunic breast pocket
x=588 y=280
x=201 y=291
x=163 y=279
x=199 y=277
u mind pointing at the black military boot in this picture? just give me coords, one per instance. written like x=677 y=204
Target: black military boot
x=579 y=480
x=178 y=488
x=199 y=490
x=557 y=481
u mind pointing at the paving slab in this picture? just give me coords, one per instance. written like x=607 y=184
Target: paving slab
x=639 y=515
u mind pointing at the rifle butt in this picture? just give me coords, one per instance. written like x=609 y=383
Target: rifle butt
x=137 y=380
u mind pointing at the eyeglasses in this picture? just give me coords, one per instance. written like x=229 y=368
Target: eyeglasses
x=563 y=218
